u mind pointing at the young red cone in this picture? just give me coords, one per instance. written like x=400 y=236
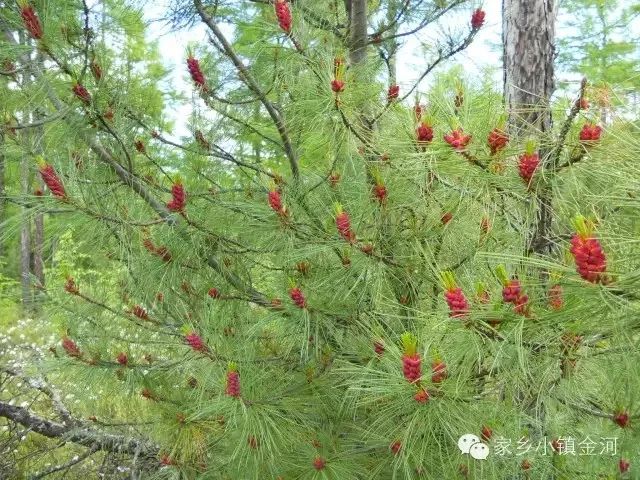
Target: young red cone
x=457 y=139
x=70 y=347
x=587 y=251
x=343 y=224
x=178 y=197
x=337 y=85
x=621 y=418
x=193 y=65
x=232 y=388
x=422 y=396
x=454 y=296
x=477 y=19
x=71 y=287
x=51 y=179
x=82 y=93
x=31 y=21
x=122 y=359
x=96 y=70
x=195 y=341
x=528 y=163
x=497 y=140
x=411 y=361
x=319 y=463
x=424 y=132
x=283 y=13
x=298 y=297
x=439 y=371
x=590 y=133
x=555 y=297
x=624 y=465
x=393 y=93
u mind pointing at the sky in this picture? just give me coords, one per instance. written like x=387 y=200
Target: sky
x=481 y=55
x=475 y=58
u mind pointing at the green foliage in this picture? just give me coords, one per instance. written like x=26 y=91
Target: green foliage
x=322 y=392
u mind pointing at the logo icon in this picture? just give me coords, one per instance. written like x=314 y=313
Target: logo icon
x=471 y=444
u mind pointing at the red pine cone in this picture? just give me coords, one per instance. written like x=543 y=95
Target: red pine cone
x=197 y=76
x=591 y=262
x=457 y=139
x=446 y=218
x=497 y=140
x=122 y=359
x=411 y=367
x=284 y=15
x=527 y=165
x=214 y=292
x=621 y=418
x=417 y=111
x=380 y=192
x=298 y=297
x=393 y=92
x=439 y=371
x=96 y=70
x=590 y=132
x=233 y=383
x=71 y=348
x=52 y=181
x=485 y=225
x=31 y=21
x=178 y=198
x=71 y=287
x=424 y=132
x=521 y=305
x=275 y=201
x=140 y=146
x=334 y=178
x=195 y=341
x=395 y=447
x=319 y=463
x=477 y=19
x=458 y=305
x=511 y=291
x=486 y=433
x=525 y=465
x=623 y=465
x=558 y=445
x=252 y=441
x=82 y=93
x=343 y=224
x=422 y=396
x=378 y=347
x=337 y=85
x=140 y=312
x=555 y=297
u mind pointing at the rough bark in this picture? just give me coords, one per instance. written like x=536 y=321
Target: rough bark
x=2 y=194
x=528 y=55
x=81 y=436
x=358 y=32
x=25 y=238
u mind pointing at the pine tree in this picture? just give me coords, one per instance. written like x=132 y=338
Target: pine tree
x=607 y=54
x=326 y=280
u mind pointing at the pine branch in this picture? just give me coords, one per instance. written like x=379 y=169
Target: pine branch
x=248 y=79
x=64 y=466
x=41 y=385
x=82 y=436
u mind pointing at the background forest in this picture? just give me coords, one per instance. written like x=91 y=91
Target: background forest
x=319 y=239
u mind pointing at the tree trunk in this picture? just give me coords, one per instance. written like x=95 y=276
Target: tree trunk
x=25 y=237
x=358 y=31
x=2 y=194
x=528 y=56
